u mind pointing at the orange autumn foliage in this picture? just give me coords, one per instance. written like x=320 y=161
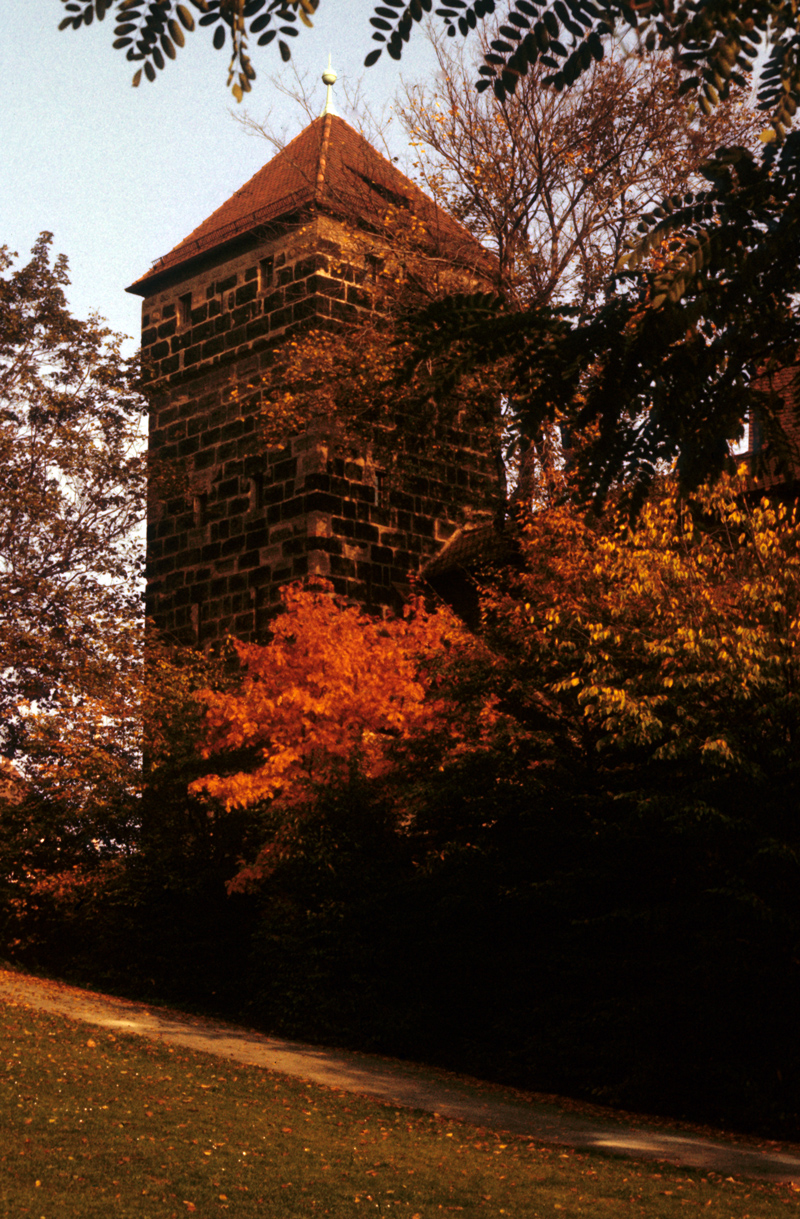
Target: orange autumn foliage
x=334 y=687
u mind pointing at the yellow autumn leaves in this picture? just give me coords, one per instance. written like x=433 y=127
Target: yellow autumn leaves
x=676 y=637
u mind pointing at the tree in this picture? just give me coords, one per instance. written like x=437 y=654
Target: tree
x=109 y=869
x=554 y=182
x=540 y=848
x=703 y=308
x=638 y=808
x=647 y=667
x=671 y=365
x=682 y=350
x=71 y=502
x=327 y=698
x=71 y=626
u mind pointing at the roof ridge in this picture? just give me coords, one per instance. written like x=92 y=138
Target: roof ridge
x=330 y=165
x=323 y=156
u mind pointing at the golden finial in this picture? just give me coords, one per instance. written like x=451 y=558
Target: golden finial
x=329 y=79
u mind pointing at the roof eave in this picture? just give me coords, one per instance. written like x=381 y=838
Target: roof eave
x=165 y=271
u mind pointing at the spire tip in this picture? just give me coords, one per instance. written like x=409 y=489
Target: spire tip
x=328 y=79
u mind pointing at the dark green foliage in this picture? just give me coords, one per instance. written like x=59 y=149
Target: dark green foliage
x=673 y=361
x=706 y=301
x=149 y=31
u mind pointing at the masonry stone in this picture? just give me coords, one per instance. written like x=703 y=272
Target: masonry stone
x=233 y=518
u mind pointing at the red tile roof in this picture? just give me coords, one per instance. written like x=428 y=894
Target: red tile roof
x=330 y=165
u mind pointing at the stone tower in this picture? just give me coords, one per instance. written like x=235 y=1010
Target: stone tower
x=320 y=237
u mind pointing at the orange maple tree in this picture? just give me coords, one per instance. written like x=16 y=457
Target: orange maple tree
x=619 y=655
x=333 y=693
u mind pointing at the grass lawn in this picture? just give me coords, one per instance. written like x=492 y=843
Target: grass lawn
x=100 y=1125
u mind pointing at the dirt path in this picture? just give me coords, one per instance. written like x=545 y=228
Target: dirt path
x=547 y=1119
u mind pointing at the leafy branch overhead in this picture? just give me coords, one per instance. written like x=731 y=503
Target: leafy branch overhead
x=679 y=344
x=153 y=31
x=715 y=43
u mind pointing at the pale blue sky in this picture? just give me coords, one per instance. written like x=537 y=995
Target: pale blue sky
x=120 y=175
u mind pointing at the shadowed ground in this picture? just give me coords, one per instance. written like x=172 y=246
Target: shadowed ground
x=547 y=1119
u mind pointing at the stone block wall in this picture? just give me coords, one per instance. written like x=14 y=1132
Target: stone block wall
x=771 y=473
x=231 y=521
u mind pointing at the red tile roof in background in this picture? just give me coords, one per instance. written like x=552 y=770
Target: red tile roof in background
x=331 y=165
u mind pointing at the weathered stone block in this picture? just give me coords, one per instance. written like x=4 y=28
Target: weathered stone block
x=357 y=296
x=233 y=545
x=364 y=532
x=343 y=527
x=303 y=311
x=273 y=301
x=172 y=581
x=235 y=338
x=342 y=567
x=257 y=328
x=241 y=316
x=323 y=501
x=279 y=319
x=305 y=267
x=344 y=312
x=247 y=292
x=260 y=577
x=205 y=331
